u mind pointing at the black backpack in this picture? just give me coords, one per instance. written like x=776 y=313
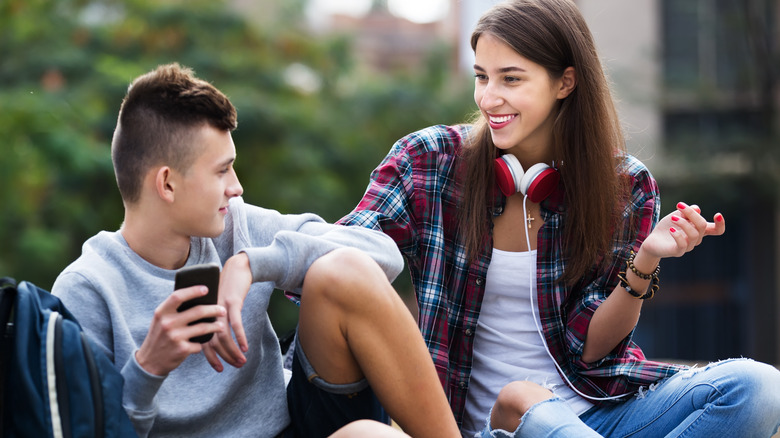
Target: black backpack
x=54 y=382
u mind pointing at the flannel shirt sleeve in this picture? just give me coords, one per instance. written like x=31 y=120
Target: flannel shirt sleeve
x=386 y=204
x=640 y=215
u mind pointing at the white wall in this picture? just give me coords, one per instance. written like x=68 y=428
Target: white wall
x=470 y=11
x=628 y=37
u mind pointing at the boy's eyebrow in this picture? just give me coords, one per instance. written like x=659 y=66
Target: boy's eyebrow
x=501 y=70
x=227 y=162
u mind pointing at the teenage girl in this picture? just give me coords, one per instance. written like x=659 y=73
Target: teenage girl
x=533 y=238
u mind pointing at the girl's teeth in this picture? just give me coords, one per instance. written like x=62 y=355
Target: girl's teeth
x=500 y=119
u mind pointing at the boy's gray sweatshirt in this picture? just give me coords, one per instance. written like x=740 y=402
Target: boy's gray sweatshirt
x=113 y=293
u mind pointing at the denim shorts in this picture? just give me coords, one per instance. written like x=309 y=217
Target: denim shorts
x=318 y=408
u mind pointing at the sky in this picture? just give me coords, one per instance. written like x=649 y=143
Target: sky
x=417 y=11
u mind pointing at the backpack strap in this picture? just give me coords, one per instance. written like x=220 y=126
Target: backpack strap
x=7 y=300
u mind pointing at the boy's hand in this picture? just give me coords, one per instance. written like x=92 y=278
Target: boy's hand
x=168 y=342
x=234 y=284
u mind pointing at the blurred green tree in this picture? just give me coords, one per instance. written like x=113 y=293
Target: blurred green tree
x=311 y=127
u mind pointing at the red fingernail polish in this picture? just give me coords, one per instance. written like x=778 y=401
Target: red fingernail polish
x=719 y=217
x=681 y=205
x=672 y=230
x=675 y=218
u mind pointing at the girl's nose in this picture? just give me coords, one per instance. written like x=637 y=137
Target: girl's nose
x=490 y=98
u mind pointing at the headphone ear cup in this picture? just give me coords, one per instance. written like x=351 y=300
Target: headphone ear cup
x=539 y=182
x=509 y=173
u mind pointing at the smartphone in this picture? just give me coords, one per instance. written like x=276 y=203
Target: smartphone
x=197 y=275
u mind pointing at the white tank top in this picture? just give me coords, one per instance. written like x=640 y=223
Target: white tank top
x=507 y=345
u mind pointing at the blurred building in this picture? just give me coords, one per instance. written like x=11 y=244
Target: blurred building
x=697 y=88
x=385 y=42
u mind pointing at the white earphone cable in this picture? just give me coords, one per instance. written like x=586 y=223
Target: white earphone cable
x=539 y=329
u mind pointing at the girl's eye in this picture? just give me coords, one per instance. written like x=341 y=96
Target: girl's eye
x=511 y=79
x=480 y=76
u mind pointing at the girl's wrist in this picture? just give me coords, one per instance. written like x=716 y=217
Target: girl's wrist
x=644 y=262
x=640 y=277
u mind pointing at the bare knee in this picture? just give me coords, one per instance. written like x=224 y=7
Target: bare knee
x=346 y=275
x=364 y=428
x=514 y=400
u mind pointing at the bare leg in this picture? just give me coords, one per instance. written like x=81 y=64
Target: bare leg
x=353 y=325
x=514 y=400
x=364 y=428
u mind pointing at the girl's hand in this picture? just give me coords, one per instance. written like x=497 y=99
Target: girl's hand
x=680 y=231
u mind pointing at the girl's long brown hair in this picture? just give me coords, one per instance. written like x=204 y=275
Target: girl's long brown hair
x=587 y=138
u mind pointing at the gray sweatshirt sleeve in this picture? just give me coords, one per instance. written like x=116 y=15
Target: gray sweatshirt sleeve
x=138 y=397
x=282 y=247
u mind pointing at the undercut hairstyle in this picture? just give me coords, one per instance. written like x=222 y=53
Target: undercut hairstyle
x=158 y=119
x=587 y=141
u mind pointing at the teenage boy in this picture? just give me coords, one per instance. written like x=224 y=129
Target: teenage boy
x=358 y=347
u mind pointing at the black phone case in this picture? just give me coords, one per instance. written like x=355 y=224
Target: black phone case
x=196 y=275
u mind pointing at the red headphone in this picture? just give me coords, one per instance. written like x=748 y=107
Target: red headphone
x=538 y=182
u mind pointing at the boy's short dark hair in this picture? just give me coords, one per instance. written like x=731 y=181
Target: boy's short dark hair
x=157 y=120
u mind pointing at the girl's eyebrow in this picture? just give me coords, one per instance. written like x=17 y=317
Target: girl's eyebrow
x=501 y=70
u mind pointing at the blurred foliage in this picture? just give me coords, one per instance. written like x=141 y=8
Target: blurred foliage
x=311 y=126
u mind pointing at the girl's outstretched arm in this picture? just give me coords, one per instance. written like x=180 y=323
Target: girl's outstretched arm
x=674 y=235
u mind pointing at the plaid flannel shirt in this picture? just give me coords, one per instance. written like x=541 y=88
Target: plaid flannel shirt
x=412 y=197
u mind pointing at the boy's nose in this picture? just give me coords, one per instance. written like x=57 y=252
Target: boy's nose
x=234 y=189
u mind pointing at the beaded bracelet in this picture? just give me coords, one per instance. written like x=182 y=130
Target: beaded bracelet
x=642 y=275
x=653 y=285
x=646 y=296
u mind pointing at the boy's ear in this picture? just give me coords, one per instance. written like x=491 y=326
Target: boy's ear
x=568 y=82
x=164 y=183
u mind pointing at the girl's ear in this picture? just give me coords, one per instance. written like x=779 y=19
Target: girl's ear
x=568 y=82
x=164 y=183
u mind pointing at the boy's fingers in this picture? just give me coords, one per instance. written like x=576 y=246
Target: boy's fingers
x=180 y=296
x=227 y=349
x=211 y=357
x=238 y=330
x=203 y=311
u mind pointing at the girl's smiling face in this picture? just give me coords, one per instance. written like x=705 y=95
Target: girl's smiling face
x=518 y=98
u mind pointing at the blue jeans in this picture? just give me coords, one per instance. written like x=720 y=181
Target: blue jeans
x=737 y=397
